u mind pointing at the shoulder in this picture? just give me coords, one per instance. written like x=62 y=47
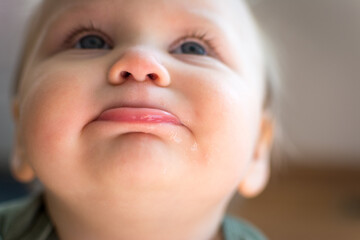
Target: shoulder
x=238 y=229
x=11 y=211
x=18 y=217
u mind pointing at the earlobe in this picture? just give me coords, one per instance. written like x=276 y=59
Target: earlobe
x=20 y=169
x=258 y=173
x=255 y=180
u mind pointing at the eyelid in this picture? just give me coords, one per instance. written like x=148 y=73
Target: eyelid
x=81 y=31
x=201 y=38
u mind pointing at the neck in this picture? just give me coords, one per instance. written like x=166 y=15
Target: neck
x=93 y=218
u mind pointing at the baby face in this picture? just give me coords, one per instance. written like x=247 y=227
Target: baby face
x=133 y=97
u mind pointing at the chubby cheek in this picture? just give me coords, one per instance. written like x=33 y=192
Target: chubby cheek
x=227 y=119
x=52 y=113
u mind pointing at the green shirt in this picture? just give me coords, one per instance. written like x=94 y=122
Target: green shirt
x=26 y=219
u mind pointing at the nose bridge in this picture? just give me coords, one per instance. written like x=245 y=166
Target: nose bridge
x=140 y=64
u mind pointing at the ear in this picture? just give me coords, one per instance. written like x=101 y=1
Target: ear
x=20 y=168
x=258 y=172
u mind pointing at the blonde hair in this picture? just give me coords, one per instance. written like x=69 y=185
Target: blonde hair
x=33 y=26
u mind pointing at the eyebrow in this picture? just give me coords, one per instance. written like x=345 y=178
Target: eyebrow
x=206 y=16
x=72 y=9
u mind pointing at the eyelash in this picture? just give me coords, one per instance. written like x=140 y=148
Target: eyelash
x=203 y=38
x=72 y=37
x=80 y=30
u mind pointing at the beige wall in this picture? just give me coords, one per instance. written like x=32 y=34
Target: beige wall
x=318 y=49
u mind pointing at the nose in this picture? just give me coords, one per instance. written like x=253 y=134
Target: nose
x=139 y=65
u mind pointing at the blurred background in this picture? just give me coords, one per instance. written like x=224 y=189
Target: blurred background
x=314 y=191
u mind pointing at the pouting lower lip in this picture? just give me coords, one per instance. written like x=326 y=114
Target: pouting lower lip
x=138 y=115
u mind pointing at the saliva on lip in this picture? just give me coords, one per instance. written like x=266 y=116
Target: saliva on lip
x=175 y=137
x=194 y=147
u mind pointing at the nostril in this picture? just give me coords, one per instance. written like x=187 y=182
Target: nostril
x=125 y=74
x=153 y=76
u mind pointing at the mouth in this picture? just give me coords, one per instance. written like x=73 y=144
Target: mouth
x=124 y=118
x=143 y=115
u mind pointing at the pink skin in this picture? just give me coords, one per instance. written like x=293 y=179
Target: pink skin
x=138 y=115
x=157 y=176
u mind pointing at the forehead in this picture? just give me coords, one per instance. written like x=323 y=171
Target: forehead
x=215 y=5
x=231 y=11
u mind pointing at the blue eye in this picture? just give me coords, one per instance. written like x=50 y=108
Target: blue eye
x=193 y=48
x=92 y=42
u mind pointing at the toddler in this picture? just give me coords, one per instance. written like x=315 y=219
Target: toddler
x=141 y=119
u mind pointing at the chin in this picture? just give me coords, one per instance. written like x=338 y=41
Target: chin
x=137 y=159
